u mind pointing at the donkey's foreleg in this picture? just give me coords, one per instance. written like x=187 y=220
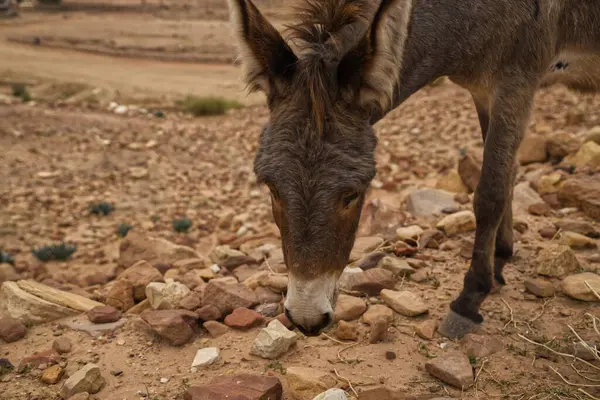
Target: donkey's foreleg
x=510 y=109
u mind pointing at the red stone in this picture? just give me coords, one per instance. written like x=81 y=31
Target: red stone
x=243 y=318
x=208 y=313
x=238 y=387
x=11 y=329
x=104 y=314
x=48 y=357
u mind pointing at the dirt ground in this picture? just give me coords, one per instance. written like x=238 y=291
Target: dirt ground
x=59 y=156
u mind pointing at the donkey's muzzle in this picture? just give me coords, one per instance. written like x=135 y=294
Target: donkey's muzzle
x=314 y=327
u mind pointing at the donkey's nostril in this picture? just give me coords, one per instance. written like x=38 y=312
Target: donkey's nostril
x=327 y=320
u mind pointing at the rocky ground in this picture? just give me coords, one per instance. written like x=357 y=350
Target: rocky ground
x=149 y=307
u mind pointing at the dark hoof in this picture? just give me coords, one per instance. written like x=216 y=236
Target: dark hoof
x=455 y=326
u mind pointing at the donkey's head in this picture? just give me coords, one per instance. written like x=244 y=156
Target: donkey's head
x=316 y=153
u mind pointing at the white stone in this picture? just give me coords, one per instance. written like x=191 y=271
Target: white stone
x=332 y=394
x=215 y=268
x=166 y=296
x=121 y=110
x=408 y=232
x=462 y=221
x=346 y=275
x=273 y=341
x=205 y=357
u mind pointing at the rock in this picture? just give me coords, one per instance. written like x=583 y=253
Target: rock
x=346 y=331
x=62 y=345
x=159 y=253
x=429 y=202
x=452 y=368
x=228 y=297
x=364 y=245
x=481 y=346
x=140 y=275
x=561 y=144
x=577 y=241
x=588 y=155
x=237 y=387
x=381 y=393
x=452 y=182
x=33 y=302
x=557 y=261
x=332 y=394
x=583 y=193
x=190 y=302
x=408 y=232
x=285 y=321
x=230 y=258
x=349 y=308
x=8 y=273
x=273 y=341
x=139 y=308
x=209 y=313
x=575 y=286
x=5 y=366
x=548 y=232
x=87 y=379
x=95 y=329
x=173 y=325
x=46 y=357
x=306 y=383
x=205 y=357
x=80 y=396
x=523 y=197
x=593 y=135
x=453 y=224
x=346 y=277
x=405 y=303
x=379 y=329
x=539 y=209
x=532 y=149
x=243 y=318
x=396 y=265
x=540 y=287
x=52 y=375
x=11 y=329
x=579 y=350
x=372 y=281
x=104 y=314
x=215 y=329
x=166 y=296
x=581 y=227
x=550 y=183
x=469 y=168
x=277 y=283
x=266 y=295
x=270 y=310
x=420 y=276
x=426 y=329
x=120 y=295
x=376 y=312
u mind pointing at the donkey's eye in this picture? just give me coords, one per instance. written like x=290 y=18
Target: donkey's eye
x=350 y=198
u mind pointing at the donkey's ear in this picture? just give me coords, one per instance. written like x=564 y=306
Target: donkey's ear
x=267 y=59
x=382 y=62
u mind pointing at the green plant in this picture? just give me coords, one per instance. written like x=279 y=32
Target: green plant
x=52 y=252
x=123 y=229
x=102 y=208
x=6 y=258
x=275 y=366
x=202 y=106
x=472 y=360
x=182 y=225
x=25 y=369
x=20 y=90
x=159 y=114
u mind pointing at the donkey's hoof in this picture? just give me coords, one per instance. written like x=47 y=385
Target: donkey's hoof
x=455 y=326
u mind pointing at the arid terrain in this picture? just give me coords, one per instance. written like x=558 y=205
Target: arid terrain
x=91 y=115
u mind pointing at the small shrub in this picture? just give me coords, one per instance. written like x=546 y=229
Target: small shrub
x=102 y=208
x=20 y=90
x=182 y=225
x=159 y=114
x=202 y=106
x=6 y=258
x=123 y=229
x=58 y=252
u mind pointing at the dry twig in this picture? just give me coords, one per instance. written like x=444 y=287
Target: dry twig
x=347 y=380
x=512 y=319
x=592 y=290
x=587 y=394
x=339 y=354
x=558 y=352
x=332 y=339
x=543 y=309
x=571 y=383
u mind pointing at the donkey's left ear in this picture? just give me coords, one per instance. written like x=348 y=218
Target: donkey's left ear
x=382 y=63
x=267 y=59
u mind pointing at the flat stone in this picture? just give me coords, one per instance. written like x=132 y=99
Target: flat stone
x=561 y=144
x=120 y=295
x=557 y=261
x=429 y=202
x=408 y=232
x=227 y=297
x=306 y=383
x=140 y=275
x=452 y=368
x=372 y=281
x=577 y=226
x=532 y=149
x=583 y=193
x=540 y=287
x=370 y=260
x=397 y=266
x=205 y=357
x=523 y=197
x=548 y=232
x=229 y=258
x=139 y=308
x=270 y=310
x=159 y=253
x=332 y=394
x=453 y=224
x=364 y=245
x=87 y=379
x=405 y=303
x=173 y=325
x=166 y=296
x=588 y=155
x=208 y=313
x=52 y=375
x=349 y=308
x=266 y=295
x=243 y=318
x=94 y=330
x=481 y=346
x=104 y=314
x=377 y=311
x=452 y=182
x=346 y=277
x=237 y=387
x=277 y=283
x=216 y=329
x=46 y=357
x=11 y=329
x=346 y=331
x=273 y=341
x=575 y=286
x=427 y=329
x=62 y=345
x=577 y=241
x=539 y=209
x=190 y=302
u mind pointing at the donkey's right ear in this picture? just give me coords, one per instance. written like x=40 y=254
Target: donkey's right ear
x=267 y=60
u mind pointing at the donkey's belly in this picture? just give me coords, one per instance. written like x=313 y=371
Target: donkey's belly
x=576 y=70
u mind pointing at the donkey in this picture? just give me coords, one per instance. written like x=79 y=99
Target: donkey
x=344 y=64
